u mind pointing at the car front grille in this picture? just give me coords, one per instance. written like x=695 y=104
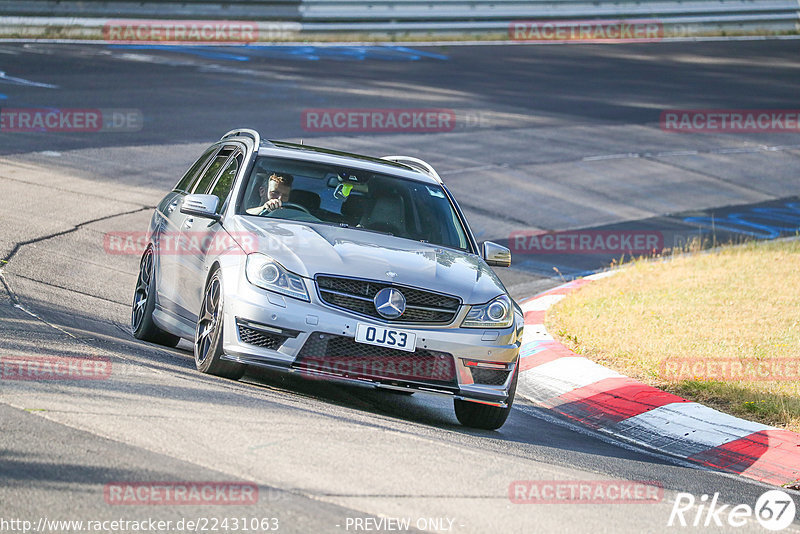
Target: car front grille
x=343 y=356
x=357 y=296
x=489 y=377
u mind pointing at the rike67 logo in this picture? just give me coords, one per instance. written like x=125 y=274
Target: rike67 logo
x=774 y=510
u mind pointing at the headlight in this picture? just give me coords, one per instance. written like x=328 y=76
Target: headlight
x=266 y=273
x=498 y=313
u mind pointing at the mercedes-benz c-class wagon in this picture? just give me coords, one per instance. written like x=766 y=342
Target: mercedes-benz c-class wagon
x=334 y=265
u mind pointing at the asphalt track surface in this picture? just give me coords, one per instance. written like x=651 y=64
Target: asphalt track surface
x=548 y=137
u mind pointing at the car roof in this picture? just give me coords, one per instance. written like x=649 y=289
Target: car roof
x=283 y=149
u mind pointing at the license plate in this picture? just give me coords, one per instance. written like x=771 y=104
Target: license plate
x=386 y=337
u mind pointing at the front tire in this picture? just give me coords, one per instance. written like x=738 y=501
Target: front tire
x=208 y=335
x=144 y=302
x=483 y=416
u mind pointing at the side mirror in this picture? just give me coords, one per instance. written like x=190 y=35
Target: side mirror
x=201 y=206
x=496 y=255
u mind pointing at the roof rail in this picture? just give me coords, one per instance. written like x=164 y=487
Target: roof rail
x=417 y=164
x=246 y=132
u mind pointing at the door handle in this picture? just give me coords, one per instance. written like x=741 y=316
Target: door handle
x=188 y=222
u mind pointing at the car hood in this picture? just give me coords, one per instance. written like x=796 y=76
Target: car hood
x=311 y=249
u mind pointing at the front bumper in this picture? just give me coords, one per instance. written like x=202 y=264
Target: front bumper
x=267 y=329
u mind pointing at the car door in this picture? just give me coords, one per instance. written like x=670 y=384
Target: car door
x=198 y=234
x=166 y=237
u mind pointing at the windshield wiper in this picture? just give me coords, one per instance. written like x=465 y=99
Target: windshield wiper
x=373 y=231
x=347 y=226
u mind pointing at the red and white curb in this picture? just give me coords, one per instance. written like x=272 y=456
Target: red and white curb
x=556 y=378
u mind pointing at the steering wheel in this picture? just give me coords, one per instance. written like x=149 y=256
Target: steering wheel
x=291 y=206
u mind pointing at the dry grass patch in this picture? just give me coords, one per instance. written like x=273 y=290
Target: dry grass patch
x=734 y=305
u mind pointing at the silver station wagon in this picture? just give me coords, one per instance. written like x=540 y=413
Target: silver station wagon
x=333 y=265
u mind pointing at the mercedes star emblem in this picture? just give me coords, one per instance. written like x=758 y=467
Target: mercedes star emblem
x=390 y=303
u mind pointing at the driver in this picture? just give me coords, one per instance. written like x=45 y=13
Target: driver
x=274 y=191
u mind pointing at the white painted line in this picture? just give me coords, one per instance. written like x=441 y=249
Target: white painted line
x=777 y=148
x=747 y=150
x=561 y=376
x=535 y=332
x=733 y=150
x=685 y=428
x=23 y=81
x=611 y=156
x=604 y=274
x=619 y=441
x=678 y=153
x=541 y=303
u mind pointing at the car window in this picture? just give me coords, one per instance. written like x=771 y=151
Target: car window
x=185 y=184
x=212 y=170
x=225 y=181
x=359 y=199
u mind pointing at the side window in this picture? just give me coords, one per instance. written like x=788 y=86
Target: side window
x=185 y=183
x=212 y=170
x=225 y=181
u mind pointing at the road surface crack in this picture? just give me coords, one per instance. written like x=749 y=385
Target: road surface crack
x=17 y=246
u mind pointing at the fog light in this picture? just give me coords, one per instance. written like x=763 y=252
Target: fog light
x=486 y=365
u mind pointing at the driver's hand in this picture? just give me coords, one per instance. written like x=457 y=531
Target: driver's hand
x=272 y=204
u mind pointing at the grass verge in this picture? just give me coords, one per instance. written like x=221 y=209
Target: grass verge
x=721 y=327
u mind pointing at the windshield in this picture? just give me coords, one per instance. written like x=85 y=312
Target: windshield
x=352 y=197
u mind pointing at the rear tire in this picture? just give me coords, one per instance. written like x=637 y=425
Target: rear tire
x=483 y=416
x=144 y=302
x=208 y=336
